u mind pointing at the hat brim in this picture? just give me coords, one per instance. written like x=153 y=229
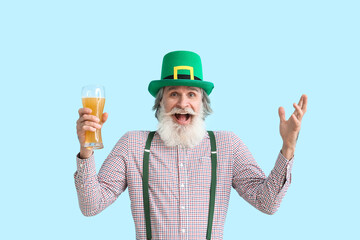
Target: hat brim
x=155 y=85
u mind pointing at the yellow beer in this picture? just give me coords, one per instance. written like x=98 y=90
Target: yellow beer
x=96 y=104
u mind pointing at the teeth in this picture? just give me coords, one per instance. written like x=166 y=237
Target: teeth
x=182 y=114
x=177 y=115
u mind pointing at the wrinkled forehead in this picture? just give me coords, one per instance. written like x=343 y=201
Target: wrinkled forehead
x=181 y=88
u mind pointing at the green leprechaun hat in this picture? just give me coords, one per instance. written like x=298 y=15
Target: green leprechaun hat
x=181 y=68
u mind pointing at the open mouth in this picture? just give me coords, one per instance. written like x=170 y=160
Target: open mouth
x=182 y=118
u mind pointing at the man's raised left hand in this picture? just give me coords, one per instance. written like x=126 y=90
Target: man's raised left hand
x=289 y=129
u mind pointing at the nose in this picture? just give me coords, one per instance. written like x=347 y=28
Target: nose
x=183 y=102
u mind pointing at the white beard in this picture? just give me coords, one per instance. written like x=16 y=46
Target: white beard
x=174 y=134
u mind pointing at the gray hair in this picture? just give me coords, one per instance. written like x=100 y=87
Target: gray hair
x=204 y=97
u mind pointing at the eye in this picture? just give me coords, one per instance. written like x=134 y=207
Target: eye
x=173 y=94
x=192 y=94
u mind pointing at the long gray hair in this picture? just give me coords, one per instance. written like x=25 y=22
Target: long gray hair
x=204 y=97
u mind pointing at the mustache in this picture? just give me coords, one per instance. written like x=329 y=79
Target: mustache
x=181 y=111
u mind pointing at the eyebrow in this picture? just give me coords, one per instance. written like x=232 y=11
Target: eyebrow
x=194 y=89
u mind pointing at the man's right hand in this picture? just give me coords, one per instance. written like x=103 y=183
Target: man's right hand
x=87 y=122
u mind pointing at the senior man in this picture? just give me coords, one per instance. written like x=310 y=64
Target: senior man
x=180 y=177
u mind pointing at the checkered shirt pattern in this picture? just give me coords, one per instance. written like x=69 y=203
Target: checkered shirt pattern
x=179 y=183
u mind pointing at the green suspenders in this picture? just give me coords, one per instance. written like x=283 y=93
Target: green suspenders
x=146 y=185
x=213 y=184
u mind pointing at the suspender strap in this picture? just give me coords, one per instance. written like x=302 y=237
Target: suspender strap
x=213 y=184
x=146 y=185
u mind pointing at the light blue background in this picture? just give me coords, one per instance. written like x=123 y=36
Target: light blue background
x=259 y=54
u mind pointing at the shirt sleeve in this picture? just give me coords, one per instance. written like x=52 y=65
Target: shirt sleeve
x=98 y=191
x=264 y=193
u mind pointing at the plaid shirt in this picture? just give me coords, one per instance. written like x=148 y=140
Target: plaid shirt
x=179 y=183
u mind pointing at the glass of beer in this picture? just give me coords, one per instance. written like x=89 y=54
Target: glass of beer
x=93 y=97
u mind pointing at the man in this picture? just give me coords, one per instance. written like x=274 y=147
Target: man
x=180 y=176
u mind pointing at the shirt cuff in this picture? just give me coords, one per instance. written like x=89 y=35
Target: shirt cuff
x=283 y=164
x=283 y=168
x=86 y=166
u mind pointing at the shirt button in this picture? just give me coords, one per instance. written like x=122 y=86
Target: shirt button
x=183 y=230
x=182 y=207
x=81 y=165
x=181 y=165
x=182 y=185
